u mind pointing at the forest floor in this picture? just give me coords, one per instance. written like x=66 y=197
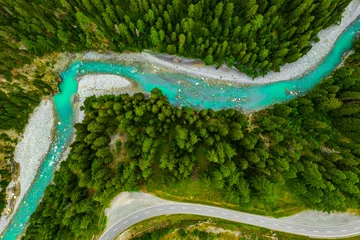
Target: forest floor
x=30 y=151
x=196 y=68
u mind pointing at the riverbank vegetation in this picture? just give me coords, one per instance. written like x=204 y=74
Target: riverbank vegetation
x=308 y=147
x=253 y=35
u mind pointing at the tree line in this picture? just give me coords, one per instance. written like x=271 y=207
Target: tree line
x=309 y=147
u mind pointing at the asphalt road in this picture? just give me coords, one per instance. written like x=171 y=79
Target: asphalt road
x=216 y=212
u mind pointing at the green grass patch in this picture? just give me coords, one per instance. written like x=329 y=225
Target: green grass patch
x=199 y=191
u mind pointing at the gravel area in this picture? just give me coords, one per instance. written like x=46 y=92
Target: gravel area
x=101 y=84
x=289 y=71
x=32 y=149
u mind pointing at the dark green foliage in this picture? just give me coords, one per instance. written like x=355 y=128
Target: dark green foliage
x=15 y=107
x=5 y=180
x=319 y=142
x=118 y=146
x=255 y=36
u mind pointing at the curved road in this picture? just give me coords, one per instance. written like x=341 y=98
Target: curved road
x=216 y=212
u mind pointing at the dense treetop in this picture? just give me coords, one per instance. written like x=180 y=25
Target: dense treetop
x=253 y=35
x=309 y=147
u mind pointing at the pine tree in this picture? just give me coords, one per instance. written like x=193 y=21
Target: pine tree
x=218 y=10
x=140 y=25
x=154 y=37
x=251 y=9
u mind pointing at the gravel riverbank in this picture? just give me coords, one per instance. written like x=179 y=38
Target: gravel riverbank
x=100 y=84
x=32 y=149
x=289 y=71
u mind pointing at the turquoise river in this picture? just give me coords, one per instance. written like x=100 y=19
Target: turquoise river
x=180 y=90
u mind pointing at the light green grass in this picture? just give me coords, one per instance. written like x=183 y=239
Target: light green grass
x=197 y=191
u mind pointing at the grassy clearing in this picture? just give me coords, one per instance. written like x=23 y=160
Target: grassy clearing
x=198 y=191
x=198 y=227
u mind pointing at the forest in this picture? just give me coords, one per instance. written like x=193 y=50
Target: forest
x=255 y=36
x=309 y=146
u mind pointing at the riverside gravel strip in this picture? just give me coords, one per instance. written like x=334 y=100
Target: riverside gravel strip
x=32 y=149
x=100 y=84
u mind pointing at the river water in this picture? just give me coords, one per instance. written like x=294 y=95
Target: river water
x=181 y=90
